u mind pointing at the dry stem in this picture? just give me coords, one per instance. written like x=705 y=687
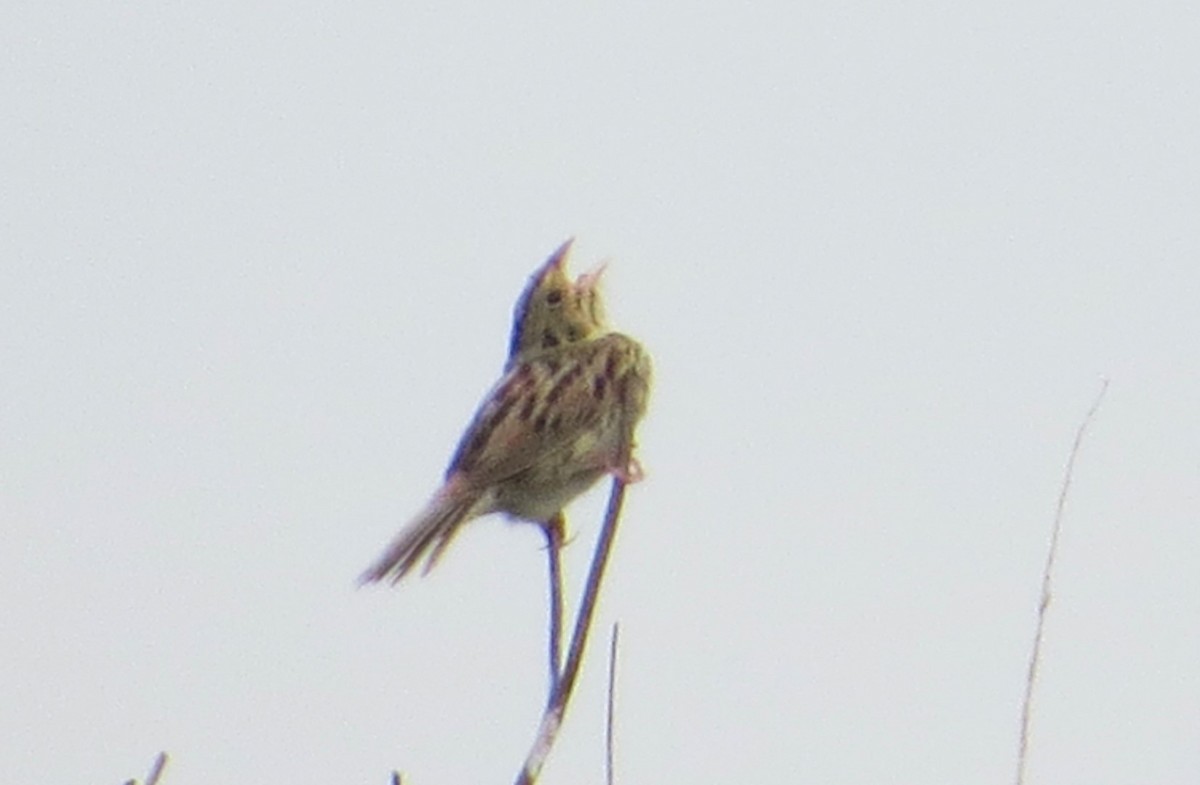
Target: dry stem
x=555 y=531
x=609 y=777
x=1035 y=656
x=565 y=684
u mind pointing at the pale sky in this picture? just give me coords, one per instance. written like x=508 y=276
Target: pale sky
x=257 y=265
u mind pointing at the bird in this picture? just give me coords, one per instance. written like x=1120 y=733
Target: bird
x=561 y=417
x=553 y=311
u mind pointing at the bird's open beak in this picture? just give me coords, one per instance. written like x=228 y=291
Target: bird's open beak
x=589 y=280
x=558 y=259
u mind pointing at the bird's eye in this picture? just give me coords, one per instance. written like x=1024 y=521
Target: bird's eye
x=554 y=297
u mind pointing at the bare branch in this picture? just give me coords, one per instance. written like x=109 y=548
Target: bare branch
x=609 y=776
x=1035 y=656
x=561 y=694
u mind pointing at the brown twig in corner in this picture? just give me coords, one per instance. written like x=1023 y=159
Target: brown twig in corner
x=609 y=777
x=565 y=685
x=1035 y=656
x=555 y=531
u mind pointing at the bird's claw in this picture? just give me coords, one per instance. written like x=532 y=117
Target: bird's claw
x=632 y=473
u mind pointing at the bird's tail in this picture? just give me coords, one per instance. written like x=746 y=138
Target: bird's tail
x=427 y=535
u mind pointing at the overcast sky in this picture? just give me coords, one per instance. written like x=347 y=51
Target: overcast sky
x=257 y=265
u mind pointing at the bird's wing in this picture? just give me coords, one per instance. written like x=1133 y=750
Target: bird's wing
x=539 y=408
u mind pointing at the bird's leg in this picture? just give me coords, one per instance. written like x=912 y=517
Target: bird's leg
x=555 y=531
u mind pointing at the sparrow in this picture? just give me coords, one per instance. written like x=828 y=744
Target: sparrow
x=559 y=419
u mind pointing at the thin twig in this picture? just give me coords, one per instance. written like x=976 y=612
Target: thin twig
x=555 y=531
x=1035 y=656
x=156 y=770
x=561 y=694
x=609 y=777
